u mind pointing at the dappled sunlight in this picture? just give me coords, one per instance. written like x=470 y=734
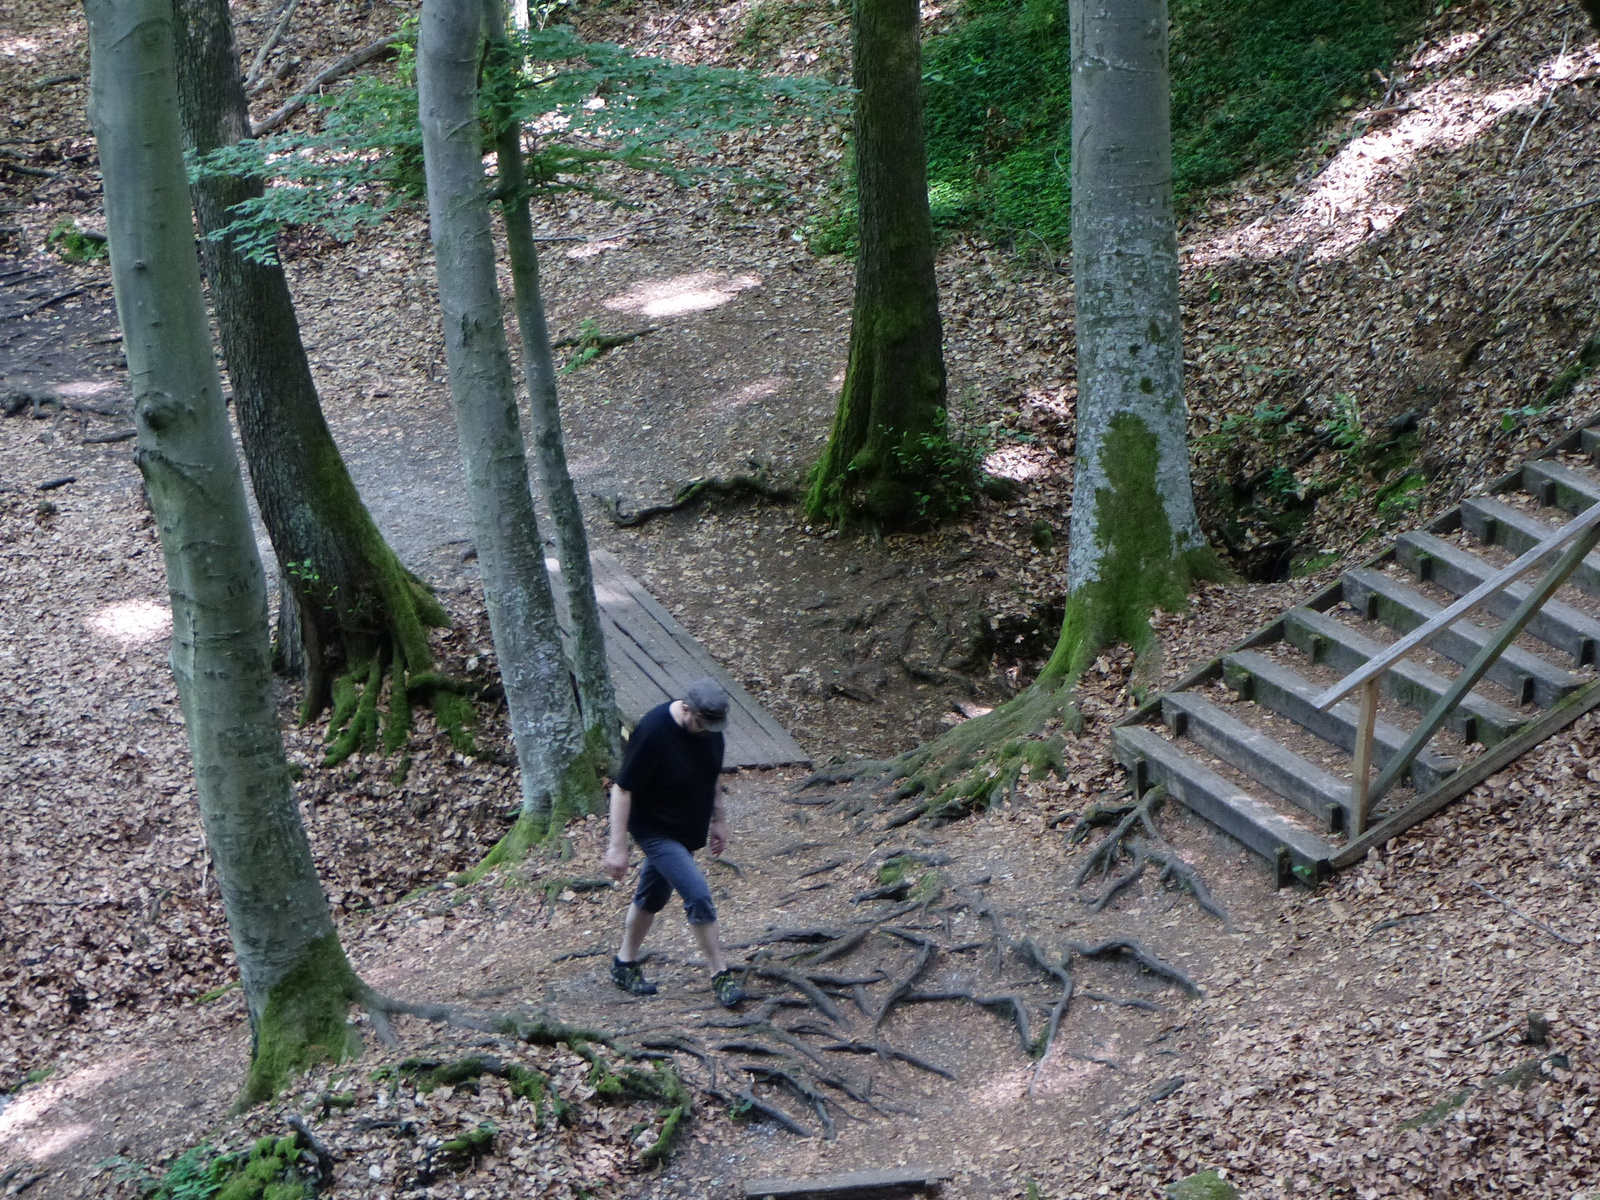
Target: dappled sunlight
x=681 y=294
x=759 y=389
x=1358 y=196
x=1018 y=462
x=11 y=47
x=86 y=389
x=1057 y=1075
x=131 y=622
x=25 y=1121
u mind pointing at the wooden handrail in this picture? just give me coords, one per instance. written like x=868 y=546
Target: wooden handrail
x=1380 y=663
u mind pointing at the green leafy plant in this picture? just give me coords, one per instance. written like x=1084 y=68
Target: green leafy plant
x=599 y=105
x=76 y=245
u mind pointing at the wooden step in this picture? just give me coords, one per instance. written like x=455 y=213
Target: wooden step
x=1533 y=680
x=1591 y=444
x=1500 y=524
x=1277 y=768
x=1557 y=624
x=1559 y=486
x=1152 y=759
x=1332 y=642
x=1288 y=693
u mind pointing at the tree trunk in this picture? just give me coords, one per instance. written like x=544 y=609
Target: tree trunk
x=1135 y=539
x=889 y=463
x=558 y=776
x=357 y=609
x=596 y=696
x=297 y=982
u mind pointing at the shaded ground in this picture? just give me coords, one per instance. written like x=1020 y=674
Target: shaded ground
x=1323 y=1025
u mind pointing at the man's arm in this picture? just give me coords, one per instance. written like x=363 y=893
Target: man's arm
x=717 y=836
x=615 y=861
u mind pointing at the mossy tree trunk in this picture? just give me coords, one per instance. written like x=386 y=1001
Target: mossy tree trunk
x=597 y=697
x=357 y=610
x=1135 y=539
x=558 y=774
x=297 y=982
x=888 y=462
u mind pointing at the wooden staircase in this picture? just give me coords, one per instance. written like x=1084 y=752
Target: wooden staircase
x=1243 y=742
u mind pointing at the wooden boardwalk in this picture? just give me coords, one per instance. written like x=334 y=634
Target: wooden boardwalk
x=653 y=659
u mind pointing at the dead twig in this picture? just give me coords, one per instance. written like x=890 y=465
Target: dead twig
x=1560 y=937
x=259 y=63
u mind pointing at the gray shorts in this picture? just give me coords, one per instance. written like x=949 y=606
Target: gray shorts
x=669 y=867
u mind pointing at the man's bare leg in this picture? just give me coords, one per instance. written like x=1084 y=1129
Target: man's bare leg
x=634 y=930
x=710 y=946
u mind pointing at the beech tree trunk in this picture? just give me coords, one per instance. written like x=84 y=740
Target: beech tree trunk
x=357 y=610
x=596 y=696
x=558 y=776
x=297 y=982
x=888 y=462
x=1135 y=539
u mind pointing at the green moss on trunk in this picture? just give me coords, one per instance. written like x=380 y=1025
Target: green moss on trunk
x=1139 y=568
x=579 y=794
x=305 y=1021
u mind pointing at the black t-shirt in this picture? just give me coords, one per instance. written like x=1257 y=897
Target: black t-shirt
x=672 y=776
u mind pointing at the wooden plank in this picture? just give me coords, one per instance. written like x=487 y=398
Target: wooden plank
x=850 y=1185
x=653 y=659
x=613 y=569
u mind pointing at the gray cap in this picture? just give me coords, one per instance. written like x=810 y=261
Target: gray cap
x=709 y=702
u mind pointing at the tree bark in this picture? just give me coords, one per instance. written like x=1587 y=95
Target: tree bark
x=356 y=606
x=888 y=463
x=1135 y=539
x=297 y=982
x=558 y=777
x=597 y=697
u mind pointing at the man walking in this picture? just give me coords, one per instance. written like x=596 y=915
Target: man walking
x=667 y=795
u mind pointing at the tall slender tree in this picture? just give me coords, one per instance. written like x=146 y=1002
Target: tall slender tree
x=558 y=775
x=298 y=984
x=596 y=696
x=357 y=614
x=1135 y=539
x=888 y=461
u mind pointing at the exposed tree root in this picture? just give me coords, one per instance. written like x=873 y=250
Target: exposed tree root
x=967 y=769
x=1141 y=956
x=695 y=489
x=1103 y=858
x=1017 y=1005
x=925 y=954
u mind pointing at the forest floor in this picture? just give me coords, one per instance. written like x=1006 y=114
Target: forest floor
x=1397 y=267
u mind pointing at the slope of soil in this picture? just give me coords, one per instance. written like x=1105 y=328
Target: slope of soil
x=1390 y=271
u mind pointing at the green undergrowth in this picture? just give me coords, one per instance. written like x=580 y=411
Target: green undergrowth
x=1253 y=83
x=272 y=1169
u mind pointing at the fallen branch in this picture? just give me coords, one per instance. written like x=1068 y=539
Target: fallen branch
x=380 y=49
x=258 y=64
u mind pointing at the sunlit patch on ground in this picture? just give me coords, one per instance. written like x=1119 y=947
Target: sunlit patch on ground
x=756 y=389
x=680 y=294
x=1019 y=462
x=25 y=1122
x=590 y=249
x=1356 y=197
x=86 y=389
x=131 y=623
x=11 y=47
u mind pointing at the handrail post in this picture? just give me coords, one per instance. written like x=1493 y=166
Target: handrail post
x=1485 y=658
x=1361 y=773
